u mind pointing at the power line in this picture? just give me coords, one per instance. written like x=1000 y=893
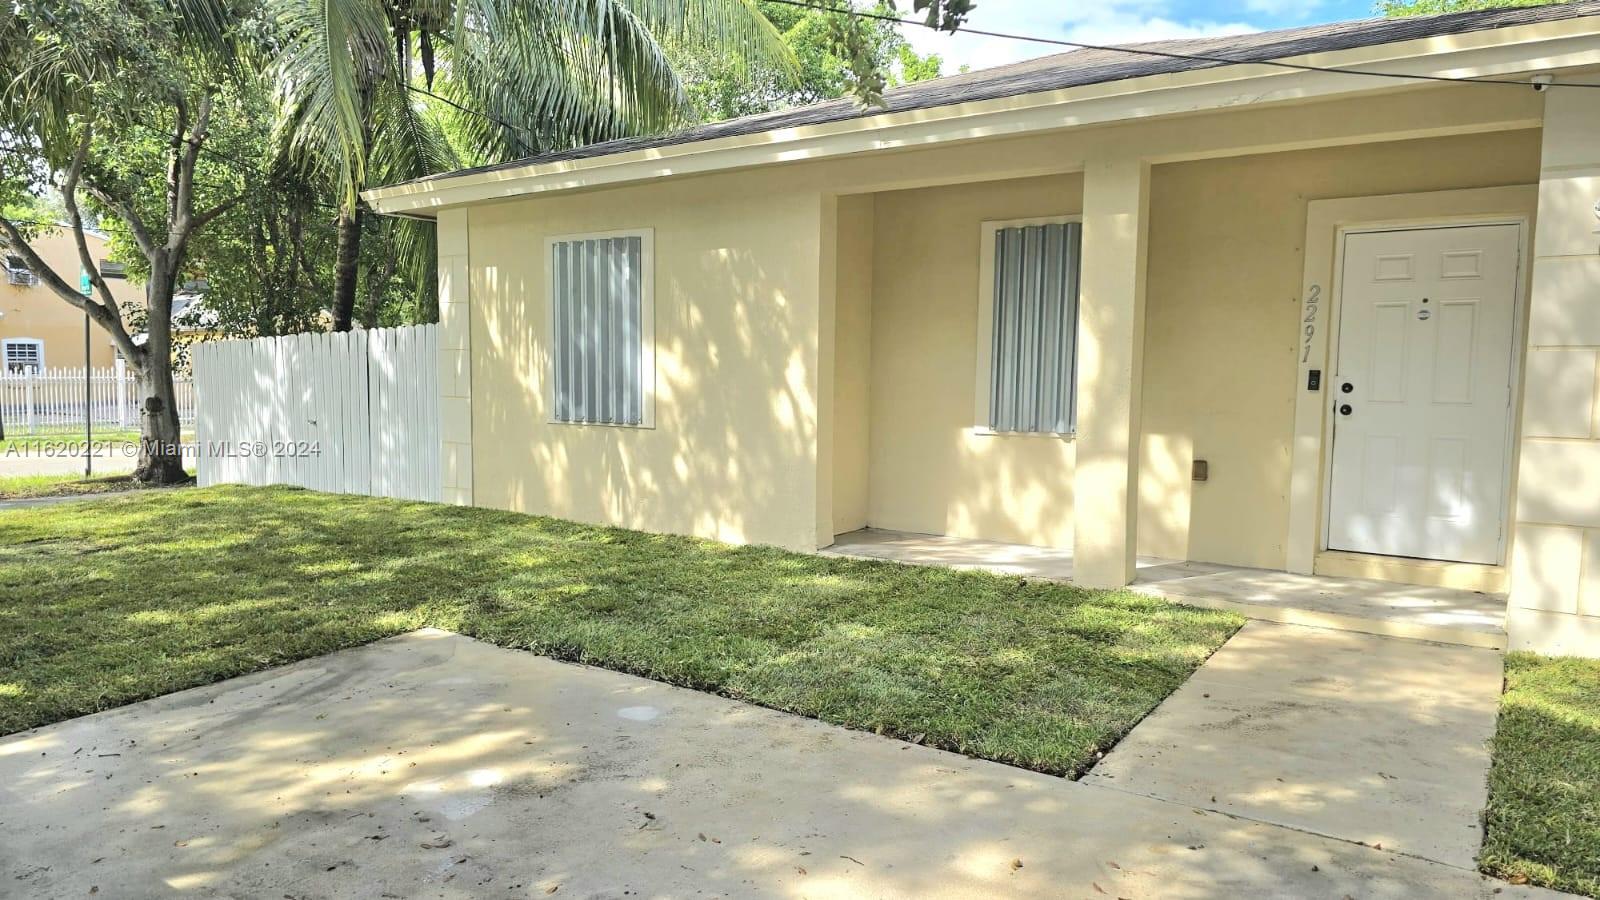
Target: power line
x=1165 y=54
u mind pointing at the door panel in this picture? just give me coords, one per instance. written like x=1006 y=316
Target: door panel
x=1426 y=327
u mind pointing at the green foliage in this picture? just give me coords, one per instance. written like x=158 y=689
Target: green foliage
x=129 y=598
x=724 y=88
x=1399 y=8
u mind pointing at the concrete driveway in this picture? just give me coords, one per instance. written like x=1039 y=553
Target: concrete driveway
x=434 y=765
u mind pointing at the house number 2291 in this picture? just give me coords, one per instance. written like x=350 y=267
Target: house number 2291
x=1309 y=323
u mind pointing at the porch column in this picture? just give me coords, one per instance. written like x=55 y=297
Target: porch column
x=455 y=360
x=1110 y=365
x=1555 y=572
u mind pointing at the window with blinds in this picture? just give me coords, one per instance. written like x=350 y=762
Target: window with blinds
x=23 y=355
x=599 y=318
x=1034 y=328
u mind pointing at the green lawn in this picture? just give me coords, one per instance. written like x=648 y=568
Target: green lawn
x=1543 y=821
x=132 y=597
x=60 y=436
x=21 y=487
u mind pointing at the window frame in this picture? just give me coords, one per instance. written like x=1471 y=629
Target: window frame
x=5 y=353
x=985 y=347
x=647 y=325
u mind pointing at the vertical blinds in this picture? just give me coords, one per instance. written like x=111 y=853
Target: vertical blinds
x=596 y=292
x=1033 y=360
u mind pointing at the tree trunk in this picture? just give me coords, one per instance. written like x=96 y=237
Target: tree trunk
x=346 y=266
x=160 y=453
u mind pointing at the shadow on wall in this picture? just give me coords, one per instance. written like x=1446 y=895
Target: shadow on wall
x=930 y=473
x=732 y=453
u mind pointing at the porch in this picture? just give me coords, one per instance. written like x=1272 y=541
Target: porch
x=1443 y=615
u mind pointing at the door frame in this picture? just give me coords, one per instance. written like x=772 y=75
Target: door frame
x=1327 y=223
x=1513 y=386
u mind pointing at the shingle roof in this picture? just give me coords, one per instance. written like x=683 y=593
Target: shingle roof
x=1077 y=68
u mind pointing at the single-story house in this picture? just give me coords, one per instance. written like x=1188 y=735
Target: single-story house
x=1323 y=300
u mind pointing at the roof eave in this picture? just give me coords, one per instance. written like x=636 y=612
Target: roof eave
x=1542 y=46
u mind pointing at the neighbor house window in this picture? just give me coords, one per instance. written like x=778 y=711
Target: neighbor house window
x=1028 y=326
x=109 y=269
x=601 y=329
x=23 y=355
x=17 y=271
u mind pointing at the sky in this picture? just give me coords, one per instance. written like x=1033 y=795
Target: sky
x=1115 y=21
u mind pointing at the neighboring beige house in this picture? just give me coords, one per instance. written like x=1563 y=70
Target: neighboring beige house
x=40 y=330
x=1217 y=310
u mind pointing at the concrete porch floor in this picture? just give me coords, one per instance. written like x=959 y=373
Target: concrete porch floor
x=1468 y=618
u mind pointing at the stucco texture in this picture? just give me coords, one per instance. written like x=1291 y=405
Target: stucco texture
x=816 y=354
x=733 y=451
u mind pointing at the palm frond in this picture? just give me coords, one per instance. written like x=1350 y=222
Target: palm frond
x=334 y=55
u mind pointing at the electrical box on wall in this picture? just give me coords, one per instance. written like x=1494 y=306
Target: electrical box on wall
x=1201 y=470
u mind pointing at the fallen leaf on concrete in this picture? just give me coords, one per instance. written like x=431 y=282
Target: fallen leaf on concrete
x=437 y=844
x=1097 y=888
x=1518 y=878
x=552 y=889
x=1016 y=864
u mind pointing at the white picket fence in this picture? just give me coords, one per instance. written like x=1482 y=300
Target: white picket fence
x=352 y=413
x=52 y=400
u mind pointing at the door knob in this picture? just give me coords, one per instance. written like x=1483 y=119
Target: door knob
x=1344 y=409
x=1346 y=388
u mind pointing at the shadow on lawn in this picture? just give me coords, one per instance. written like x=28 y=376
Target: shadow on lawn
x=143 y=596
x=433 y=763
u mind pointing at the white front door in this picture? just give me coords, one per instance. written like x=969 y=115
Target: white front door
x=1421 y=392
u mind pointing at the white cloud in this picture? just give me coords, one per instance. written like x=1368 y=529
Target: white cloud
x=1105 y=22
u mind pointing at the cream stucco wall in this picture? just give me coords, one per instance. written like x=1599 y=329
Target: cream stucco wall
x=852 y=362
x=36 y=312
x=733 y=453
x=1225 y=259
x=1222 y=325
x=816 y=328
x=930 y=472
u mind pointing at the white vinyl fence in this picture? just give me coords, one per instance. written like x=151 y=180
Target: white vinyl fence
x=352 y=413
x=53 y=400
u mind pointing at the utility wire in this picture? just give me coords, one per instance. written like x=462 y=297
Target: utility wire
x=1164 y=54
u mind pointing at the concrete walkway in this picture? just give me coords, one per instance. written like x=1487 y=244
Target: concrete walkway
x=1445 y=615
x=1364 y=738
x=433 y=765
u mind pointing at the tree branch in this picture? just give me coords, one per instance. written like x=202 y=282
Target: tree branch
x=69 y=197
x=132 y=352
x=126 y=213
x=205 y=218
x=186 y=158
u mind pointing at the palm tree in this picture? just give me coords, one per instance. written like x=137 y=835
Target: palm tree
x=498 y=80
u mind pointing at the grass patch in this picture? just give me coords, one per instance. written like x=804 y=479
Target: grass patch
x=59 y=437
x=21 y=487
x=1543 y=821
x=133 y=597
